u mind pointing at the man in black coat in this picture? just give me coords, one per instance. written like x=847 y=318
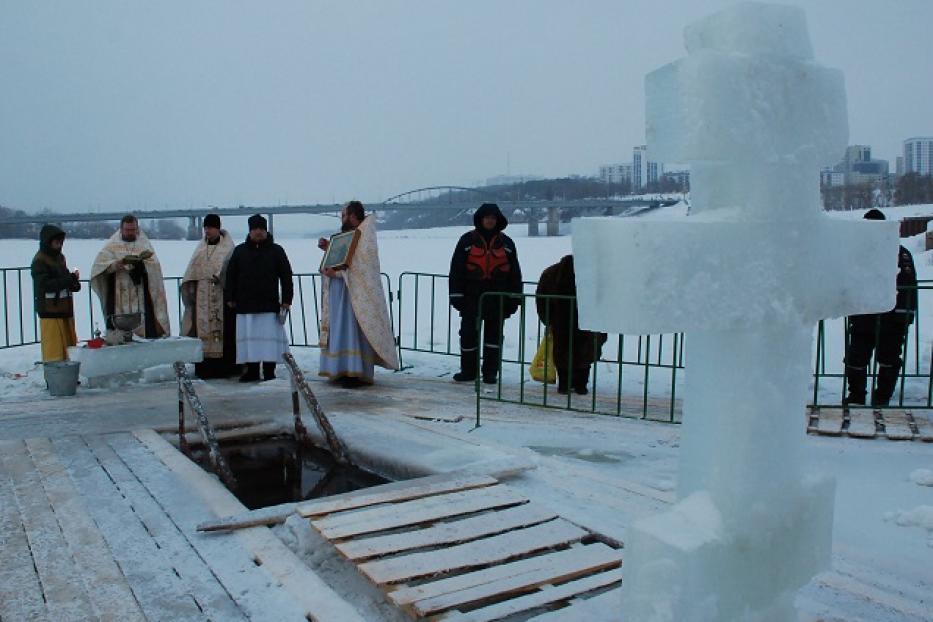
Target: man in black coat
x=884 y=333
x=575 y=350
x=258 y=268
x=484 y=260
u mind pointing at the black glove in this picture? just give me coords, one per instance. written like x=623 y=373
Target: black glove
x=457 y=302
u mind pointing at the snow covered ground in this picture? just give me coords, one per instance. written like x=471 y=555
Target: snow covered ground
x=883 y=536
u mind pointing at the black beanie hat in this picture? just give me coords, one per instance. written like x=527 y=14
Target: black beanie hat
x=257 y=222
x=212 y=220
x=874 y=214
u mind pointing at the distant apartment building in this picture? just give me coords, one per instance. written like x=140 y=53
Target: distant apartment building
x=615 y=173
x=643 y=171
x=899 y=170
x=679 y=178
x=830 y=178
x=857 y=167
x=918 y=155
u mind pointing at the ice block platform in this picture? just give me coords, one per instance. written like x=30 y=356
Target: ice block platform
x=114 y=365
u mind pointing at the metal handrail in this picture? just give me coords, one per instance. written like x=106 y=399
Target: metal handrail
x=187 y=393
x=300 y=385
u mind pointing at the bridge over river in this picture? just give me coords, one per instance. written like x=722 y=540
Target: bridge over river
x=433 y=198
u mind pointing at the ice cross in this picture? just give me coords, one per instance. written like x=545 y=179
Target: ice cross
x=746 y=276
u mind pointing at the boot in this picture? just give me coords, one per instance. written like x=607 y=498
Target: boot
x=884 y=387
x=490 y=365
x=856 y=377
x=268 y=371
x=580 y=378
x=468 y=364
x=251 y=374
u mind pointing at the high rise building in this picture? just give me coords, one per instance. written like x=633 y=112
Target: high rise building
x=918 y=155
x=615 y=173
x=643 y=171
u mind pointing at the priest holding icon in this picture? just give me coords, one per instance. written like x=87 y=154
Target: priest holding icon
x=356 y=334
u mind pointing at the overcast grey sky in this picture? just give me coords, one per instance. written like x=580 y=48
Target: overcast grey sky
x=124 y=104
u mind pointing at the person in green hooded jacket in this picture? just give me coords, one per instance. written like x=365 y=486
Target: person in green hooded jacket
x=53 y=285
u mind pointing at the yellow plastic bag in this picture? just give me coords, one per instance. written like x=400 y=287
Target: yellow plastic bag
x=540 y=371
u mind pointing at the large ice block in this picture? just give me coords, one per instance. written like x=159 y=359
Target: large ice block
x=776 y=30
x=690 y=565
x=114 y=364
x=642 y=277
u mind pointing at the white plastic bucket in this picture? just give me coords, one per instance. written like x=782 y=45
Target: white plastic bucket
x=62 y=377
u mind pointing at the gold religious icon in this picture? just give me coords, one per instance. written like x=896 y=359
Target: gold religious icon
x=340 y=250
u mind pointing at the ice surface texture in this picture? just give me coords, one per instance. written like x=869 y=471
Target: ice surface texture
x=701 y=274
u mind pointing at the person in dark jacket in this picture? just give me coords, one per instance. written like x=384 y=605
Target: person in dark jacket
x=53 y=285
x=484 y=260
x=258 y=268
x=574 y=349
x=883 y=333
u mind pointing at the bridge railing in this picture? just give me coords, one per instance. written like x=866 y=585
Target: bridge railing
x=20 y=325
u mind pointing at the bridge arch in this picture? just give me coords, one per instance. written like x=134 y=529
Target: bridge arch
x=455 y=194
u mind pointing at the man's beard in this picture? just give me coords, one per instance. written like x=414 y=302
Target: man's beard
x=130 y=238
x=344 y=227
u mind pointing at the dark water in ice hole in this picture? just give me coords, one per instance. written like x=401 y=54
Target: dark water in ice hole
x=277 y=469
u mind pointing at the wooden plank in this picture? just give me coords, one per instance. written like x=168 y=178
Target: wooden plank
x=477 y=553
x=830 y=421
x=118 y=509
x=896 y=426
x=289 y=584
x=521 y=574
x=451 y=532
x=105 y=585
x=862 y=423
x=499 y=581
x=394 y=492
x=546 y=596
x=64 y=598
x=271 y=515
x=417 y=511
x=20 y=591
x=591 y=608
x=197 y=579
x=924 y=427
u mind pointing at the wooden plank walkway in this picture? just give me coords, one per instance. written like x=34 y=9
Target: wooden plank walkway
x=451 y=547
x=893 y=424
x=104 y=527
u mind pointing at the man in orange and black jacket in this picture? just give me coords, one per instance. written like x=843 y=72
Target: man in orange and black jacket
x=484 y=260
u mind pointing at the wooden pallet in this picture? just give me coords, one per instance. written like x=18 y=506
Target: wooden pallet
x=457 y=547
x=924 y=427
x=865 y=422
x=862 y=423
x=896 y=424
x=830 y=421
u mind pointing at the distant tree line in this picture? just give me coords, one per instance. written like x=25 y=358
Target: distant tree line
x=909 y=189
x=163 y=229
x=850 y=197
x=913 y=189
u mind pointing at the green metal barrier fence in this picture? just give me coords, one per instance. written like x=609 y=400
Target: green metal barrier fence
x=915 y=385
x=637 y=376
x=21 y=327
